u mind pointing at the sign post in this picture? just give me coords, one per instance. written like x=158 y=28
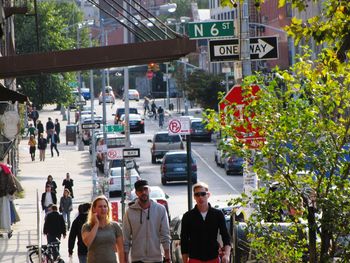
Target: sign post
x=182 y=126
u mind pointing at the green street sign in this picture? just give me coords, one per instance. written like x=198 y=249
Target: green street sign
x=114 y=128
x=215 y=29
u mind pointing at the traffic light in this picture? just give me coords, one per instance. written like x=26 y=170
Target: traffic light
x=153 y=67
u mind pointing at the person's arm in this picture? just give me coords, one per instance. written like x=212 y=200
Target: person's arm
x=72 y=236
x=165 y=235
x=226 y=255
x=119 y=246
x=184 y=238
x=89 y=236
x=225 y=238
x=126 y=235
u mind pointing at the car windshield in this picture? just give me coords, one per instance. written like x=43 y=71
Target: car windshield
x=164 y=137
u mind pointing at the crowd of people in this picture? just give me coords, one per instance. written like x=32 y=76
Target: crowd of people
x=144 y=235
x=36 y=130
x=154 y=111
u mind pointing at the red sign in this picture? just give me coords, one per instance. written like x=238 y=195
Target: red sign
x=149 y=74
x=246 y=132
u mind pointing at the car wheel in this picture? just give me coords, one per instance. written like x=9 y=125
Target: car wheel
x=99 y=103
x=163 y=181
x=154 y=159
x=228 y=172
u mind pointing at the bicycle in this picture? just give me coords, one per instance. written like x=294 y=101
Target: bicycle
x=49 y=253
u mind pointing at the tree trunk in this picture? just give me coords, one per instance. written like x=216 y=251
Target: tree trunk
x=325 y=244
x=312 y=235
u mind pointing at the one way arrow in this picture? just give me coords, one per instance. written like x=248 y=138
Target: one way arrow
x=261 y=48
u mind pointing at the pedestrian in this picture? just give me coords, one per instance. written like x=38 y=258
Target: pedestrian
x=34 y=115
x=48 y=198
x=50 y=128
x=32 y=147
x=199 y=230
x=146 y=105
x=75 y=232
x=102 y=236
x=57 y=130
x=160 y=112
x=42 y=145
x=68 y=183
x=31 y=130
x=54 y=228
x=66 y=206
x=154 y=109
x=52 y=183
x=146 y=228
x=40 y=127
x=53 y=144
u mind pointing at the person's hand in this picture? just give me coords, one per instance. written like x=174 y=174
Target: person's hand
x=225 y=258
x=96 y=218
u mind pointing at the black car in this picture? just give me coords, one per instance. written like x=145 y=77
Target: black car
x=199 y=130
x=120 y=111
x=136 y=123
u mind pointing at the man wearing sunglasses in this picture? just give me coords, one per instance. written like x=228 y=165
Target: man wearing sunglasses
x=146 y=228
x=199 y=230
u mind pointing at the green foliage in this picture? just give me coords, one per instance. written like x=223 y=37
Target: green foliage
x=55 y=20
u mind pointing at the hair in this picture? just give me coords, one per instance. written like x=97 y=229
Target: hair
x=54 y=207
x=49 y=176
x=90 y=219
x=66 y=190
x=83 y=208
x=200 y=185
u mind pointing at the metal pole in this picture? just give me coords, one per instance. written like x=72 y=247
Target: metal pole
x=189 y=172
x=226 y=82
x=244 y=40
x=104 y=113
x=80 y=136
x=123 y=187
x=167 y=85
x=184 y=92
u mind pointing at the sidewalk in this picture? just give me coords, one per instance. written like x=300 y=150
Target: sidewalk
x=32 y=176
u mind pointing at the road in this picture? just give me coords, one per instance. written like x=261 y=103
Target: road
x=222 y=187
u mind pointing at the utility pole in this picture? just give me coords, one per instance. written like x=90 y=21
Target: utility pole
x=244 y=38
x=80 y=135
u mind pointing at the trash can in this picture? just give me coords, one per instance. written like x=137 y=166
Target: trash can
x=71 y=133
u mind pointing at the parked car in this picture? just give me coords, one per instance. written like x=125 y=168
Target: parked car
x=233 y=164
x=162 y=142
x=109 y=96
x=220 y=152
x=120 y=111
x=133 y=95
x=136 y=122
x=156 y=193
x=174 y=167
x=115 y=183
x=85 y=92
x=199 y=131
x=175 y=234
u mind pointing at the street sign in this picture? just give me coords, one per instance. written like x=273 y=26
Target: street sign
x=114 y=154
x=261 y=48
x=90 y=125
x=131 y=152
x=203 y=30
x=80 y=103
x=114 y=128
x=180 y=126
x=245 y=132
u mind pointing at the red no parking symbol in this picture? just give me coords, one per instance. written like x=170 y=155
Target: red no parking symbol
x=174 y=126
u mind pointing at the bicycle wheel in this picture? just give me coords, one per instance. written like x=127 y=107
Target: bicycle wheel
x=33 y=257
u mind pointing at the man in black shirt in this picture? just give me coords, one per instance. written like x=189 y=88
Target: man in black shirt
x=199 y=230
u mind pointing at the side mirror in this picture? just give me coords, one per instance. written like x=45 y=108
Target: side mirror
x=166 y=196
x=113 y=114
x=149 y=140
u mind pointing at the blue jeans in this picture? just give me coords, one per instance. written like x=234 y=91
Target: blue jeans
x=82 y=258
x=66 y=217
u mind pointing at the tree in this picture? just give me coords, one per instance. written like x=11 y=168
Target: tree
x=303 y=114
x=54 y=20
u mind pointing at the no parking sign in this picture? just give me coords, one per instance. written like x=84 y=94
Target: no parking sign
x=115 y=153
x=180 y=126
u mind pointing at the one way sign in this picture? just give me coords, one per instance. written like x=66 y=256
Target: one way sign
x=229 y=49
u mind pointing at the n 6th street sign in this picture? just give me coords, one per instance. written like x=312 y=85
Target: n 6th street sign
x=228 y=49
x=215 y=29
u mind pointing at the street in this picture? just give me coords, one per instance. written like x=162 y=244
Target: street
x=78 y=163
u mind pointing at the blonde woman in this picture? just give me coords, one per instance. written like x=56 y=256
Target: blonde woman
x=102 y=236
x=32 y=146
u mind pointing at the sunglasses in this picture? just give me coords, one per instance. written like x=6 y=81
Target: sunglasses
x=198 y=194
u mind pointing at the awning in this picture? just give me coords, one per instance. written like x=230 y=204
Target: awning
x=11 y=95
